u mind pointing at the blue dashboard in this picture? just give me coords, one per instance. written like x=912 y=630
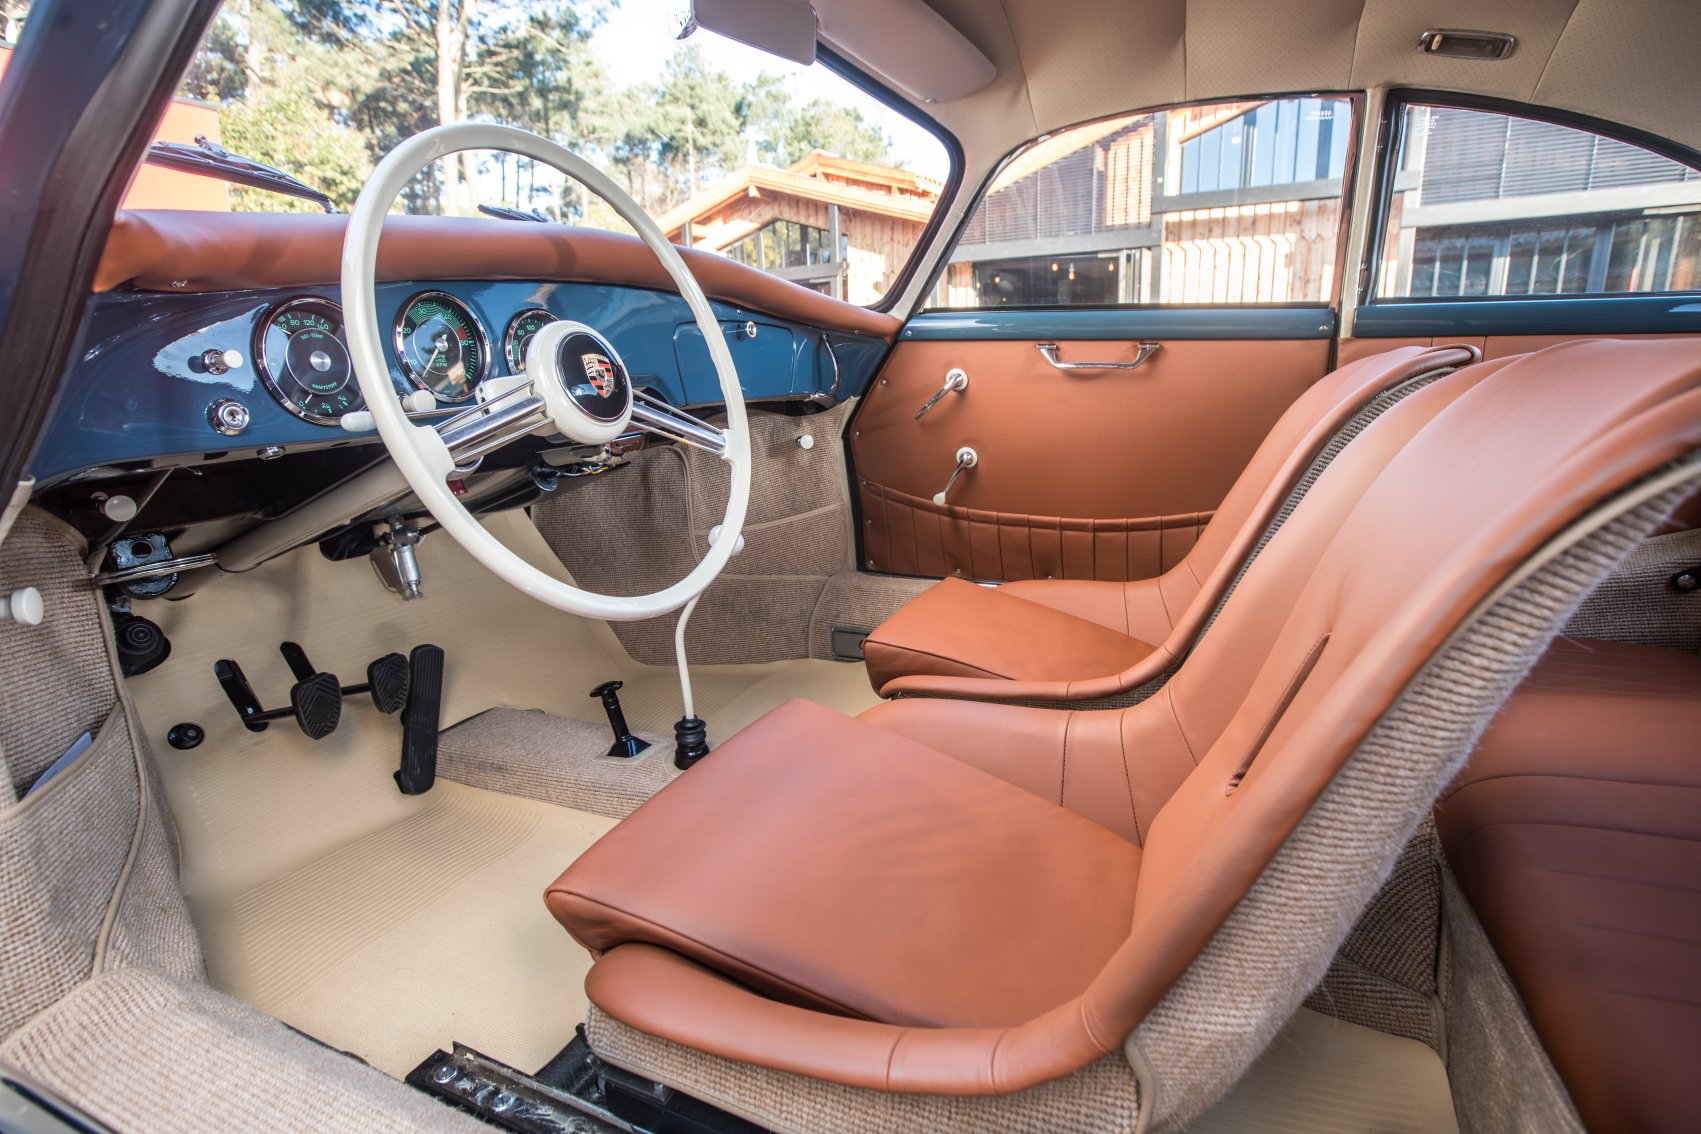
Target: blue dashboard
x=139 y=394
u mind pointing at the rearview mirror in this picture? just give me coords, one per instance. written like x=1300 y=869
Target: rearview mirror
x=780 y=27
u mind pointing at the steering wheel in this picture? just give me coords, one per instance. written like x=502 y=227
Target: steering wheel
x=575 y=383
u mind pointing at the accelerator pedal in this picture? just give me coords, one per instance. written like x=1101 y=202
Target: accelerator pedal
x=421 y=720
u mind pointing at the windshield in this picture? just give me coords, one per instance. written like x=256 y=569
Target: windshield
x=790 y=169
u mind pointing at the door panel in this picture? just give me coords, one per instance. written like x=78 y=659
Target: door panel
x=1100 y=474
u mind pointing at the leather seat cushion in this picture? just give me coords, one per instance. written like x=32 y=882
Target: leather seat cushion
x=1575 y=832
x=897 y=884
x=961 y=629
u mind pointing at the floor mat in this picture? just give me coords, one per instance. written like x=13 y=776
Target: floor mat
x=424 y=932
x=381 y=923
x=1325 y=1076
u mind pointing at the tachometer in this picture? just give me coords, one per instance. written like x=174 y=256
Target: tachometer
x=441 y=345
x=521 y=328
x=302 y=358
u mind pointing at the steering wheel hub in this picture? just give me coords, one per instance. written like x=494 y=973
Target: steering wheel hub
x=582 y=380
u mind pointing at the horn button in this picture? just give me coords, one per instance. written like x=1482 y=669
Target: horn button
x=582 y=381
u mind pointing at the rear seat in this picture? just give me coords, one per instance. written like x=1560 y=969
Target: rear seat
x=1575 y=833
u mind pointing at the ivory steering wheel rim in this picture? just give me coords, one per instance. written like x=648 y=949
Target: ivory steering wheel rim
x=420 y=453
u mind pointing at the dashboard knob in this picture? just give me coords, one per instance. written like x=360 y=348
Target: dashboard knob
x=228 y=416
x=220 y=361
x=119 y=509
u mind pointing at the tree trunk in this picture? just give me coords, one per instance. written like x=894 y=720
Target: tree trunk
x=451 y=65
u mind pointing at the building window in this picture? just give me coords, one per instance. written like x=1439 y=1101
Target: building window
x=787 y=244
x=1229 y=202
x=1488 y=204
x=1042 y=281
x=1284 y=142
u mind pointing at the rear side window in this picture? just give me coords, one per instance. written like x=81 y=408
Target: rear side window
x=1223 y=203
x=1485 y=204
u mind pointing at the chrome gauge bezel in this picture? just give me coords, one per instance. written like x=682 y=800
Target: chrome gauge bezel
x=513 y=325
x=264 y=364
x=399 y=341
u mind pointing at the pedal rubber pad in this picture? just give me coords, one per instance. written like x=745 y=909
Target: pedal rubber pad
x=318 y=704
x=421 y=721
x=389 y=678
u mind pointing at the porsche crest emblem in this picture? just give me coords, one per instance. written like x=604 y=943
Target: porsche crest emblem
x=600 y=371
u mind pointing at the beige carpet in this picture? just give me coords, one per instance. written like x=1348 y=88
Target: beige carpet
x=383 y=924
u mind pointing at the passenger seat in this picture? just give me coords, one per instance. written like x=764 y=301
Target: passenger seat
x=1080 y=640
x=1575 y=834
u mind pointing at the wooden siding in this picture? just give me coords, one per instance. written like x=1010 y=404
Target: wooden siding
x=879 y=245
x=1273 y=253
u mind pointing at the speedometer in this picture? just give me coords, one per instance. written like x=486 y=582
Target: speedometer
x=302 y=358
x=521 y=328
x=441 y=345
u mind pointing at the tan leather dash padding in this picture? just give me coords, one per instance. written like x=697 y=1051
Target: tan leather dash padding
x=1575 y=832
x=174 y=250
x=813 y=856
x=952 y=641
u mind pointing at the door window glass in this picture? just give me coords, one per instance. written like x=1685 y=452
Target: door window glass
x=1487 y=204
x=1228 y=202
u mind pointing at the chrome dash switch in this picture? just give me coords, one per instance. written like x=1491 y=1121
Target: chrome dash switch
x=220 y=361
x=228 y=416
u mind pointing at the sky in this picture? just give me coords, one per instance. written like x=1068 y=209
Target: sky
x=637 y=39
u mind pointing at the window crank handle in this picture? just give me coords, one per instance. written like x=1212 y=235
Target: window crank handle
x=967 y=458
x=956 y=379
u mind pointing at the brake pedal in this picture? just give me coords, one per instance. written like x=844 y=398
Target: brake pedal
x=387 y=680
x=421 y=720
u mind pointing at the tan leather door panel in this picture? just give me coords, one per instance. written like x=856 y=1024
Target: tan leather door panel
x=1101 y=474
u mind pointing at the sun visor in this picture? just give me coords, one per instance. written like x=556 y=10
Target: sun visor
x=907 y=44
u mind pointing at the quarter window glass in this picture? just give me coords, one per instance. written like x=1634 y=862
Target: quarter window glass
x=1231 y=202
x=1488 y=204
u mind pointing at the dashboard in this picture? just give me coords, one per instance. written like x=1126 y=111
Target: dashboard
x=167 y=380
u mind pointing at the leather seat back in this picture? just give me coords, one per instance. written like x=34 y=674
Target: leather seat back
x=1360 y=588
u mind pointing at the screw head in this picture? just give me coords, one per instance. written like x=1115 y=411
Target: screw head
x=1686 y=581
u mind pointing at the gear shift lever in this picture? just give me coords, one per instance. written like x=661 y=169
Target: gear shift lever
x=625 y=744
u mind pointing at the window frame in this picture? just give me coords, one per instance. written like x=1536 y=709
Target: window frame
x=953 y=183
x=1389 y=139
x=1356 y=99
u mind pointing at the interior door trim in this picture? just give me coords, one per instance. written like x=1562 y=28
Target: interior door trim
x=1111 y=324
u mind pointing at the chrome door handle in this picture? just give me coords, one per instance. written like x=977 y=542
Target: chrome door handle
x=967 y=458
x=1049 y=352
x=956 y=380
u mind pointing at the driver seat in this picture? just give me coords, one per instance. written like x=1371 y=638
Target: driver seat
x=850 y=924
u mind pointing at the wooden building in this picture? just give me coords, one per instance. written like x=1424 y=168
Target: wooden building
x=839 y=226
x=1226 y=203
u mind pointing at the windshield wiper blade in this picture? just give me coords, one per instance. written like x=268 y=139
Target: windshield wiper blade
x=207 y=158
x=508 y=212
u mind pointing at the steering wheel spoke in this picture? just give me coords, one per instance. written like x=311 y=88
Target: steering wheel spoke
x=653 y=415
